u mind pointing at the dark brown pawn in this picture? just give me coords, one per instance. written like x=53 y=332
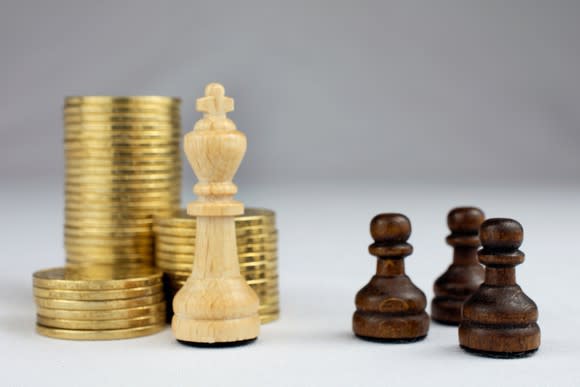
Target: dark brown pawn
x=499 y=320
x=390 y=308
x=465 y=274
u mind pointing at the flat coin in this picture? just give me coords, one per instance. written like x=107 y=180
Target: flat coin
x=119 y=207
x=108 y=232
x=50 y=303
x=150 y=115
x=243 y=258
x=96 y=278
x=107 y=100
x=186 y=241
x=250 y=236
x=242 y=249
x=157 y=318
x=108 y=251
x=251 y=217
x=137 y=198
x=99 y=315
x=120 y=215
x=92 y=295
x=268 y=318
x=121 y=109
x=108 y=242
x=104 y=237
x=110 y=334
x=86 y=263
x=127 y=130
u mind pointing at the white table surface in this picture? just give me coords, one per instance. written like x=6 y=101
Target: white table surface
x=323 y=262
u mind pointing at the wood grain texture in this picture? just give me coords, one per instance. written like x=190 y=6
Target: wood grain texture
x=499 y=319
x=390 y=308
x=463 y=277
x=215 y=306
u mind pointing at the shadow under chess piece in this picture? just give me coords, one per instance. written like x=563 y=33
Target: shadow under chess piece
x=465 y=274
x=390 y=308
x=215 y=306
x=499 y=320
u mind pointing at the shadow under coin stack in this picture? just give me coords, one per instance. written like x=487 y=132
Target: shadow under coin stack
x=123 y=166
x=257 y=240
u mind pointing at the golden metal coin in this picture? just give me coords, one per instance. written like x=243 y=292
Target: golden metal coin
x=96 y=278
x=108 y=252
x=268 y=318
x=92 y=295
x=121 y=109
x=251 y=217
x=99 y=315
x=109 y=334
x=242 y=249
x=108 y=242
x=190 y=240
x=121 y=100
x=51 y=303
x=151 y=115
x=109 y=232
x=104 y=237
x=157 y=318
x=188 y=258
x=251 y=236
x=101 y=217
x=134 y=260
x=252 y=268
x=138 y=198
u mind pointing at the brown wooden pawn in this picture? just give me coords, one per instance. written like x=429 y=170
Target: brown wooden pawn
x=465 y=274
x=499 y=320
x=390 y=308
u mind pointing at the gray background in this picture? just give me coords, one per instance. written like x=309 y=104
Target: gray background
x=433 y=90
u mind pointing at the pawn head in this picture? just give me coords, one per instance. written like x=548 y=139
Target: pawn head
x=465 y=220
x=501 y=234
x=390 y=228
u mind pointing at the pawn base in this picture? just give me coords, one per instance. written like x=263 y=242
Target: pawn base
x=391 y=341
x=216 y=331
x=499 y=355
x=385 y=326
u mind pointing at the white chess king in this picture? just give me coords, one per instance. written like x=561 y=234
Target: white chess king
x=216 y=305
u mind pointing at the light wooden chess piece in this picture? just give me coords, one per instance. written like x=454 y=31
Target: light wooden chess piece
x=215 y=306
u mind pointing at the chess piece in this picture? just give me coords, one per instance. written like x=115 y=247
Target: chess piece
x=215 y=306
x=499 y=320
x=390 y=308
x=465 y=274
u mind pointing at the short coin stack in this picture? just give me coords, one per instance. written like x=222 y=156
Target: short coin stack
x=257 y=239
x=99 y=303
x=123 y=165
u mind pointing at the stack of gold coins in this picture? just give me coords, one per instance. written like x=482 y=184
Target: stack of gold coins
x=123 y=166
x=257 y=240
x=99 y=302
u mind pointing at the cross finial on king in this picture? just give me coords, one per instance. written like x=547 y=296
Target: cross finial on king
x=215 y=103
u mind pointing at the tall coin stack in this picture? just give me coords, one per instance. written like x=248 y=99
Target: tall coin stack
x=257 y=240
x=123 y=166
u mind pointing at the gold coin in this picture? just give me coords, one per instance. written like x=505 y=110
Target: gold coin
x=190 y=241
x=122 y=130
x=251 y=235
x=268 y=318
x=92 y=295
x=131 y=116
x=147 y=146
x=121 y=109
x=108 y=251
x=121 y=215
x=96 y=278
x=108 y=242
x=99 y=315
x=133 y=260
x=109 y=334
x=251 y=217
x=242 y=249
x=121 y=100
x=188 y=258
x=157 y=318
x=107 y=234
x=140 y=208
x=118 y=188
x=51 y=303
x=87 y=263
x=245 y=268
x=136 y=198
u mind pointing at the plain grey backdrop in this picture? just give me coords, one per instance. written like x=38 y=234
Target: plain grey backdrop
x=430 y=90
